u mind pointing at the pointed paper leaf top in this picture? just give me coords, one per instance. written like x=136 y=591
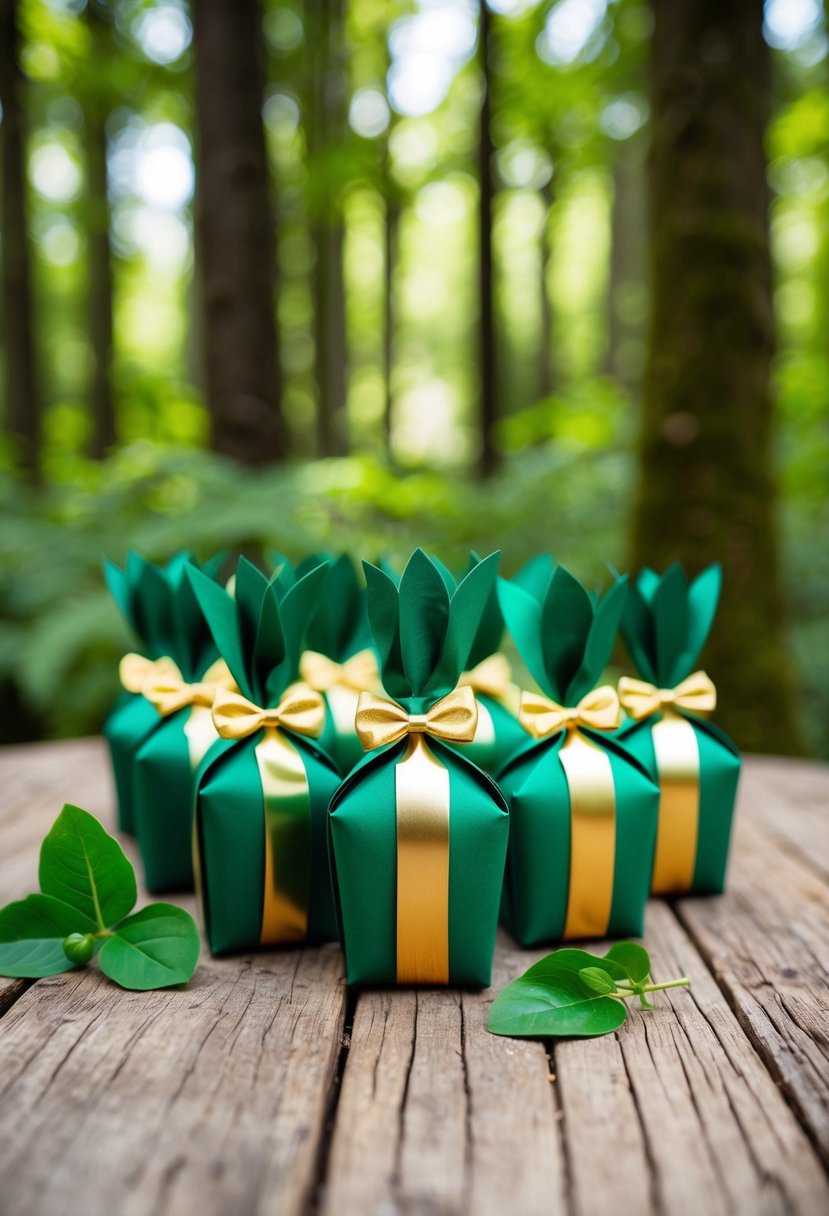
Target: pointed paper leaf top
x=566 y=637
x=340 y=626
x=423 y=630
x=666 y=622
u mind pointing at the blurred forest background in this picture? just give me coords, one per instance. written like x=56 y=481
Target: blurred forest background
x=537 y=274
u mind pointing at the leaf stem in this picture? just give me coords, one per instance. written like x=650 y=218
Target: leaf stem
x=683 y=982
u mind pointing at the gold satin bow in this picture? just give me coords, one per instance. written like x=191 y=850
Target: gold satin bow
x=380 y=721
x=162 y=683
x=640 y=699
x=359 y=673
x=301 y=710
x=540 y=716
x=490 y=678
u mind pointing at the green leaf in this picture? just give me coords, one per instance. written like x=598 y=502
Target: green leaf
x=560 y=1005
x=597 y=980
x=633 y=958
x=87 y=869
x=575 y=960
x=155 y=948
x=566 y=618
x=32 y=933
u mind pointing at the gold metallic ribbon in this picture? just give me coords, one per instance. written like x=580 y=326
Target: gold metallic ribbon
x=359 y=673
x=492 y=677
x=341 y=682
x=286 y=800
x=676 y=751
x=589 y=777
x=422 y=799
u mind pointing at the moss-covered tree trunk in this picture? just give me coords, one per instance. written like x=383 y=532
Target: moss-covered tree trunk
x=22 y=404
x=546 y=316
x=235 y=233
x=706 y=484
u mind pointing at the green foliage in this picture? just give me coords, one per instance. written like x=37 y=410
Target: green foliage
x=88 y=890
x=572 y=993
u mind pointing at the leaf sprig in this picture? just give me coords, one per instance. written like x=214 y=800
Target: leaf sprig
x=574 y=994
x=87 y=892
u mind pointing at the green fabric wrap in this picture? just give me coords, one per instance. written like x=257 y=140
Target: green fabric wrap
x=164 y=786
x=342 y=746
x=230 y=827
x=125 y=730
x=719 y=775
x=538 y=866
x=363 y=830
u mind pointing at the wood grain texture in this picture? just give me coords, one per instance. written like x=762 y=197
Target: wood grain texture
x=209 y=1100
x=437 y=1115
x=676 y=1112
x=261 y=1090
x=767 y=944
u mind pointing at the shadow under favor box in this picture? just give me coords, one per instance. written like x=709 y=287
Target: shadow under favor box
x=665 y=625
x=262 y=791
x=419 y=832
x=339 y=660
x=582 y=807
x=143 y=593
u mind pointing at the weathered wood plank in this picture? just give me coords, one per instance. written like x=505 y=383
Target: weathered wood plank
x=788 y=800
x=767 y=943
x=676 y=1113
x=210 y=1100
x=438 y=1116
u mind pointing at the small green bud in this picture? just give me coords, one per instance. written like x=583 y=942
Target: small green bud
x=79 y=947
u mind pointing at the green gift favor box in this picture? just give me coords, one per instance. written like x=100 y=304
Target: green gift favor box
x=339 y=660
x=418 y=832
x=144 y=594
x=665 y=625
x=582 y=807
x=262 y=790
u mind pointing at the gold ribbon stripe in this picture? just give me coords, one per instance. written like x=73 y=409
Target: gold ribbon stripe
x=286 y=801
x=422 y=808
x=676 y=752
x=589 y=777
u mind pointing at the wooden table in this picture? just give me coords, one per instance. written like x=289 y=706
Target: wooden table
x=264 y=1087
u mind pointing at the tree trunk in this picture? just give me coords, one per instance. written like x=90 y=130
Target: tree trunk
x=325 y=130
x=235 y=233
x=706 y=488
x=22 y=420
x=99 y=254
x=627 y=269
x=391 y=228
x=488 y=459
x=546 y=352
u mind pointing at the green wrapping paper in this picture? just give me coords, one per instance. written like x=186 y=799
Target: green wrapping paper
x=144 y=594
x=582 y=807
x=418 y=832
x=262 y=791
x=339 y=661
x=665 y=625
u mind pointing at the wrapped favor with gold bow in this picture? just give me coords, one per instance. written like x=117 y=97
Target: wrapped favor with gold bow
x=339 y=660
x=665 y=625
x=489 y=675
x=262 y=791
x=155 y=804
x=582 y=807
x=418 y=832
